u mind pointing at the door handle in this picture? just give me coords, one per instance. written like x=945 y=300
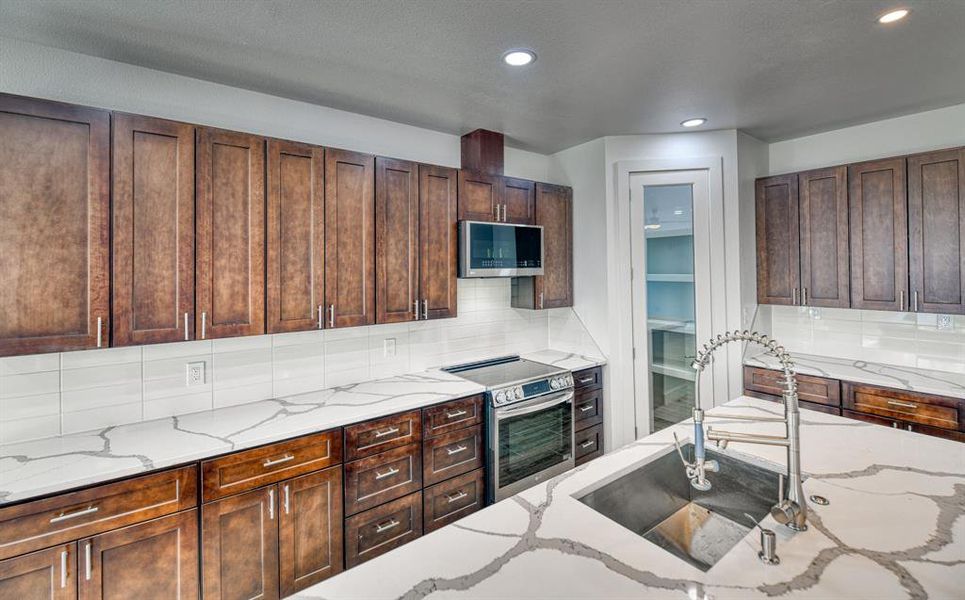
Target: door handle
x=915 y=301
x=425 y=309
x=541 y=300
x=271 y=504
x=87 y=565
x=804 y=296
x=204 y=323
x=416 y=304
x=287 y=500
x=186 y=338
x=901 y=300
x=100 y=331
x=320 y=318
x=63 y=568
x=331 y=316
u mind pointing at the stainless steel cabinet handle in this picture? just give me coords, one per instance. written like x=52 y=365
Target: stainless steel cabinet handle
x=586 y=379
x=425 y=309
x=277 y=461
x=320 y=318
x=586 y=407
x=458 y=496
x=587 y=443
x=541 y=299
x=186 y=338
x=392 y=471
x=794 y=296
x=80 y=513
x=87 y=565
x=504 y=213
x=100 y=331
x=271 y=504
x=385 y=432
x=804 y=296
x=416 y=303
x=456 y=413
x=204 y=323
x=287 y=500
x=456 y=450
x=901 y=300
x=387 y=525
x=902 y=404
x=63 y=568
x=331 y=316
x=915 y=301
x=908 y=427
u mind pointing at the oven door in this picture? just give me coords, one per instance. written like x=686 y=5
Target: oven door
x=531 y=442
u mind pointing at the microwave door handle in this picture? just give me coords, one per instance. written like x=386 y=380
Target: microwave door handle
x=506 y=413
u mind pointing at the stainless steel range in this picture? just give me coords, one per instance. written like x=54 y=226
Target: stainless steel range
x=529 y=421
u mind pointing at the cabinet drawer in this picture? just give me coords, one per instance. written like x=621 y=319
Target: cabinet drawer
x=454 y=499
x=67 y=517
x=381 y=529
x=588 y=408
x=924 y=409
x=452 y=454
x=247 y=470
x=452 y=415
x=372 y=437
x=809 y=388
x=588 y=377
x=831 y=410
x=589 y=444
x=376 y=479
x=947 y=434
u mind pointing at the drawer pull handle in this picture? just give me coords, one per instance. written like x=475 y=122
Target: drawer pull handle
x=902 y=404
x=387 y=525
x=80 y=513
x=587 y=379
x=456 y=450
x=271 y=462
x=392 y=471
x=587 y=444
x=385 y=432
x=456 y=414
x=586 y=407
x=457 y=496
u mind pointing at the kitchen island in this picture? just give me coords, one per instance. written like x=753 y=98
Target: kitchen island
x=893 y=529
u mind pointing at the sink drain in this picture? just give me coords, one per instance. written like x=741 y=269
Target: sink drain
x=819 y=500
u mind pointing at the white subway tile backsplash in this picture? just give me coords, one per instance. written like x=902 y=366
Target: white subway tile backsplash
x=26 y=407
x=31 y=428
x=177 y=405
x=30 y=384
x=34 y=363
x=100 y=418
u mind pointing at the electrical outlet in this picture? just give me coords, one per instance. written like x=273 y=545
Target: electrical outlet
x=944 y=322
x=195 y=374
x=388 y=347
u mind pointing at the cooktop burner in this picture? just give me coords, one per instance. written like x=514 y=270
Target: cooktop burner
x=503 y=371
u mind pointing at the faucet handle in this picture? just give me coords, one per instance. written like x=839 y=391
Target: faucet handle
x=680 y=452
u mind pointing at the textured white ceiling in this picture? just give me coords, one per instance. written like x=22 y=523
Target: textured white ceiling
x=774 y=68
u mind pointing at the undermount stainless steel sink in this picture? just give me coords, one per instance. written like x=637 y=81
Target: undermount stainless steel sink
x=657 y=502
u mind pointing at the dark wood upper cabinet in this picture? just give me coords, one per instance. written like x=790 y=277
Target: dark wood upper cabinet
x=778 y=240
x=54 y=226
x=349 y=238
x=155 y=559
x=879 y=235
x=153 y=230
x=519 y=201
x=295 y=237
x=823 y=210
x=49 y=574
x=936 y=231
x=230 y=286
x=554 y=211
x=239 y=541
x=396 y=240
x=310 y=530
x=482 y=151
x=479 y=195
x=438 y=241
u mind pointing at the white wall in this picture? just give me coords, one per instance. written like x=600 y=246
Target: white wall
x=933 y=129
x=39 y=71
x=752 y=162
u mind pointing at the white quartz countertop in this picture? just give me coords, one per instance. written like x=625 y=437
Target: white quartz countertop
x=56 y=464
x=859 y=371
x=893 y=529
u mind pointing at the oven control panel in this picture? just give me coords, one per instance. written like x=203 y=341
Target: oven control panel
x=532 y=389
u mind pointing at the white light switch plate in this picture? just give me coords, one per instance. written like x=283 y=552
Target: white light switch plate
x=388 y=347
x=195 y=374
x=944 y=322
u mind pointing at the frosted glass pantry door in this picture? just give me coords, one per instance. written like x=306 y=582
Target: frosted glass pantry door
x=671 y=292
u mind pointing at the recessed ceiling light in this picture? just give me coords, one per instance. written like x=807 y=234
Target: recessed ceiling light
x=694 y=122
x=652 y=226
x=894 y=15
x=678 y=212
x=519 y=58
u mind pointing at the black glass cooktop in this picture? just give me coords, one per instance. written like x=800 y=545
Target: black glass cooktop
x=503 y=371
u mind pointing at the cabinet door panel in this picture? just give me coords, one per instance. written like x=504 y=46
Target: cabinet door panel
x=778 y=240
x=156 y=559
x=45 y=575
x=396 y=240
x=296 y=236
x=54 y=226
x=879 y=235
x=554 y=211
x=310 y=529
x=438 y=241
x=519 y=201
x=824 y=238
x=230 y=234
x=936 y=231
x=350 y=237
x=239 y=547
x=478 y=196
x=153 y=208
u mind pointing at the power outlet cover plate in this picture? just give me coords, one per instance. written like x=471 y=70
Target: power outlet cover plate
x=195 y=374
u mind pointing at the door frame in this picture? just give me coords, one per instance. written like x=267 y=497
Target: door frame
x=635 y=423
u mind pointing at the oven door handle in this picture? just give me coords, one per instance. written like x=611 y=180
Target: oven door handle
x=506 y=413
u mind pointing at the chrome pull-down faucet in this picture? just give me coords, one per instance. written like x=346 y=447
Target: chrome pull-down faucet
x=791 y=508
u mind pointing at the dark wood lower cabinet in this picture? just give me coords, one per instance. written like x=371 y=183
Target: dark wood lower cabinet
x=452 y=454
x=156 y=559
x=376 y=531
x=589 y=444
x=239 y=537
x=49 y=574
x=452 y=500
x=310 y=530
x=957 y=436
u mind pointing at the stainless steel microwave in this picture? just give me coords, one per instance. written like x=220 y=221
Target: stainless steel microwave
x=499 y=249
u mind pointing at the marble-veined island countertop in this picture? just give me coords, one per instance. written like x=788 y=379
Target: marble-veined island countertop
x=894 y=528
x=56 y=464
